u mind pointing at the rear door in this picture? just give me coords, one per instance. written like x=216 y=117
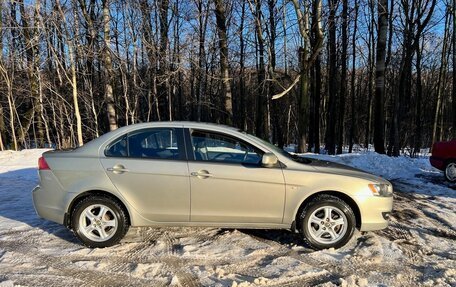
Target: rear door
x=149 y=168
x=228 y=183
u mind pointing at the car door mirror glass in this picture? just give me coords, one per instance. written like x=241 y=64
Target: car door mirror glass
x=269 y=160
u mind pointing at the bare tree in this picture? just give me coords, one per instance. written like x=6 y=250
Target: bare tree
x=379 y=114
x=343 y=78
x=108 y=71
x=73 y=79
x=332 y=79
x=454 y=70
x=220 y=13
x=353 y=79
x=261 y=115
x=307 y=55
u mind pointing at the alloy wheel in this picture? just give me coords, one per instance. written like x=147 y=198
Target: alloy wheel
x=327 y=224
x=450 y=171
x=98 y=222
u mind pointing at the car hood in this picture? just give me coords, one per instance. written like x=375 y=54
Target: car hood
x=344 y=170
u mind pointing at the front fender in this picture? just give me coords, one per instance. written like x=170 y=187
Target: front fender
x=302 y=185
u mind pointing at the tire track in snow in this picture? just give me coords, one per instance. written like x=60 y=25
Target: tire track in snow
x=121 y=264
x=176 y=265
x=60 y=266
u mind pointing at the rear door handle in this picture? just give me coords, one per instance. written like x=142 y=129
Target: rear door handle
x=201 y=174
x=118 y=169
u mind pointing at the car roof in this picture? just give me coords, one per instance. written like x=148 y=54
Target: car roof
x=178 y=124
x=93 y=146
x=186 y=124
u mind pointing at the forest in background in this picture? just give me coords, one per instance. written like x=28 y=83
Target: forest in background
x=322 y=75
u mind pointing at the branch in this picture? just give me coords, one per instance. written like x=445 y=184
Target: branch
x=278 y=96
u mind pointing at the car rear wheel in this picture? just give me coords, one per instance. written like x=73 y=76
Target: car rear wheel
x=450 y=171
x=99 y=221
x=327 y=221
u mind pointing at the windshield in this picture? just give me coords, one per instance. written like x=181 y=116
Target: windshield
x=276 y=149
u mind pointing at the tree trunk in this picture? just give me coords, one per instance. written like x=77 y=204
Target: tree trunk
x=315 y=79
x=285 y=49
x=273 y=111
x=419 y=96
x=163 y=87
x=108 y=71
x=2 y=126
x=343 y=78
x=202 y=77
x=224 y=66
x=261 y=106
x=353 y=77
x=11 y=105
x=454 y=71
x=379 y=114
x=2 y=122
x=332 y=79
x=242 y=89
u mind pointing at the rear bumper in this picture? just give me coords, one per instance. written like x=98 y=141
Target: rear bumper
x=437 y=162
x=41 y=200
x=375 y=212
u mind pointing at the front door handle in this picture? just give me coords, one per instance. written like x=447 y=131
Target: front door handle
x=117 y=169
x=201 y=174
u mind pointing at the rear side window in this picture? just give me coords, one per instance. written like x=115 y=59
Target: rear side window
x=154 y=143
x=118 y=148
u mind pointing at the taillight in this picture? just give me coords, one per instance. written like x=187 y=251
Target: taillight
x=42 y=164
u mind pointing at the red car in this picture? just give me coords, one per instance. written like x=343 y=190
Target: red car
x=444 y=158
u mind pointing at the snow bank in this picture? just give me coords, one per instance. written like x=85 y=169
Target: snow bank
x=19 y=160
x=391 y=168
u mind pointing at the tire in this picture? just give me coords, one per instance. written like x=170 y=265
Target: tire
x=99 y=221
x=450 y=171
x=321 y=231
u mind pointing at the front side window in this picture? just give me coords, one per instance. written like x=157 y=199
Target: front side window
x=153 y=143
x=216 y=147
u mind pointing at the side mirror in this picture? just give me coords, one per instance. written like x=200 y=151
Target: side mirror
x=269 y=160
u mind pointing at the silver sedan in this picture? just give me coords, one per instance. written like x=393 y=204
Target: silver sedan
x=195 y=174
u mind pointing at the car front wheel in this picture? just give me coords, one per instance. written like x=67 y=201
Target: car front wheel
x=327 y=221
x=99 y=221
x=450 y=171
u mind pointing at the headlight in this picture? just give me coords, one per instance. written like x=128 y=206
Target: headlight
x=381 y=189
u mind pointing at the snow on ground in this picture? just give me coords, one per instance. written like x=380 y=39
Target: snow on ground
x=417 y=249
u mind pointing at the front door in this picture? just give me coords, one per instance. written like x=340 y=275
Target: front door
x=228 y=183
x=149 y=169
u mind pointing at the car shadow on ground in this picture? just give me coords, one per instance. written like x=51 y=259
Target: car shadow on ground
x=16 y=204
x=437 y=178
x=277 y=236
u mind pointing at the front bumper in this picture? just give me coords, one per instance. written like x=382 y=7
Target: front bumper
x=375 y=212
